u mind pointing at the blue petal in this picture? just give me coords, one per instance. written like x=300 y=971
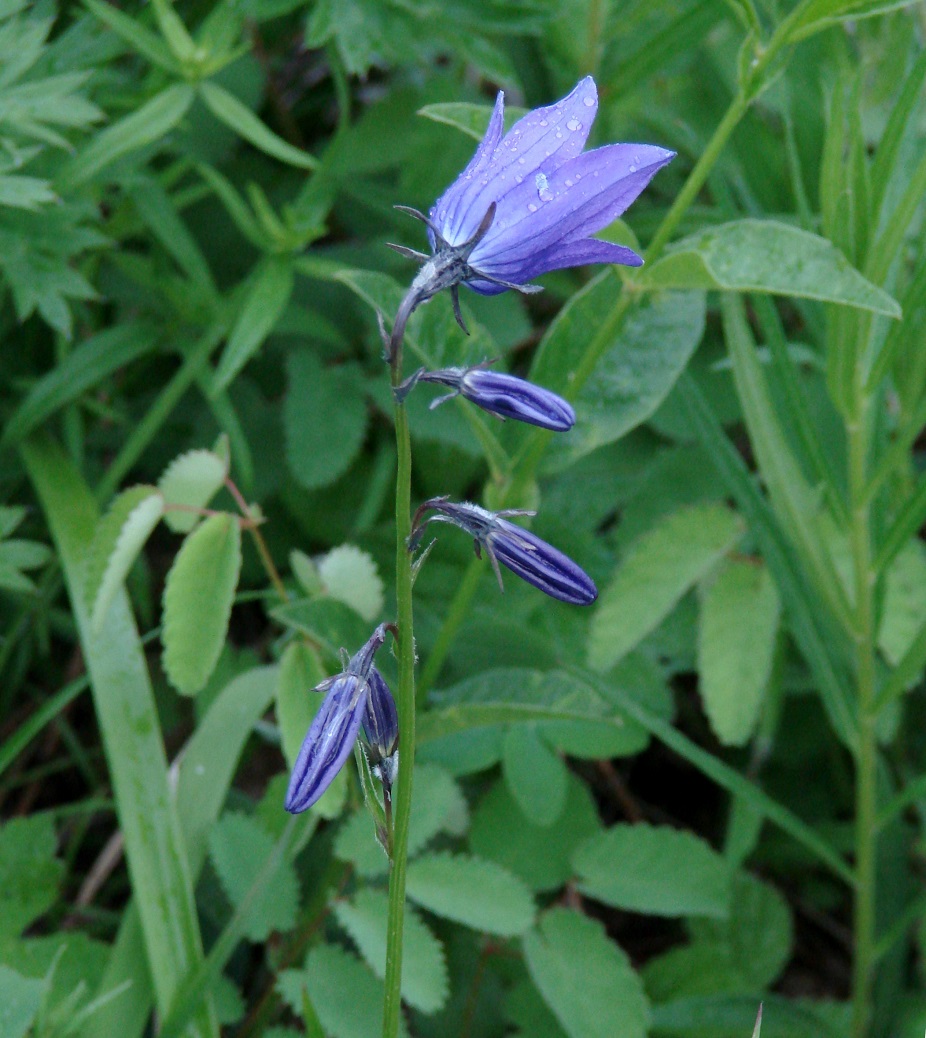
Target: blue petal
x=540 y=564
x=513 y=397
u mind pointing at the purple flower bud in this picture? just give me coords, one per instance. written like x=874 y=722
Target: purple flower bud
x=333 y=732
x=523 y=552
x=381 y=729
x=506 y=396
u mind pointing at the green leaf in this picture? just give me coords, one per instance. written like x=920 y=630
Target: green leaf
x=119 y=537
x=29 y=872
x=662 y=871
x=350 y=575
x=472 y=119
x=198 y=596
x=25 y=192
x=535 y=775
x=239 y=118
x=128 y=718
x=81 y=370
x=766 y=256
x=135 y=34
x=736 y=645
x=468 y=890
x=540 y=855
x=324 y=418
x=735 y=1017
x=346 y=996
x=265 y=300
x=149 y=124
x=662 y=565
x=425 y=983
x=904 y=611
x=821 y=14
x=332 y=625
x=191 y=481
x=639 y=364
x=20 y=998
x=585 y=978
x=239 y=847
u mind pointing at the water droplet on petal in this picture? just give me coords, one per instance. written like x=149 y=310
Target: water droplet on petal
x=589 y=102
x=518 y=177
x=632 y=169
x=543 y=122
x=559 y=135
x=521 y=161
x=531 y=208
x=568 y=183
x=573 y=125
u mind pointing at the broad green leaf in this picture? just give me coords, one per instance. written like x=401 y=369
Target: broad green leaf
x=29 y=872
x=472 y=119
x=540 y=855
x=585 y=978
x=81 y=370
x=239 y=847
x=128 y=718
x=344 y=993
x=20 y=1000
x=350 y=575
x=149 y=124
x=479 y=894
x=766 y=256
x=191 y=481
x=654 y=869
x=535 y=775
x=736 y=645
x=265 y=300
x=639 y=361
x=239 y=118
x=324 y=418
x=198 y=596
x=119 y=537
x=727 y=1016
x=425 y=983
x=661 y=566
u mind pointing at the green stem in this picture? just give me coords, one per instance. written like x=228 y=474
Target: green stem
x=402 y=802
x=866 y=761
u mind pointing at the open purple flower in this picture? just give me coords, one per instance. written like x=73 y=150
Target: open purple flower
x=527 y=203
x=523 y=552
x=498 y=393
x=357 y=696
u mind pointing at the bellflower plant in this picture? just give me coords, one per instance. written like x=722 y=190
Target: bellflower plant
x=527 y=204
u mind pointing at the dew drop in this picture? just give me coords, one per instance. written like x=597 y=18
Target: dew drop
x=543 y=122
x=573 y=125
x=568 y=183
x=521 y=161
x=559 y=135
x=589 y=102
x=632 y=169
x=518 y=177
x=531 y=208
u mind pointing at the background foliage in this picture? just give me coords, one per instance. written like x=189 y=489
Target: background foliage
x=643 y=818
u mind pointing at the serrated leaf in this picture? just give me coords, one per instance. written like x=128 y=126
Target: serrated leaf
x=191 y=480
x=767 y=256
x=351 y=576
x=29 y=871
x=535 y=775
x=198 y=596
x=662 y=565
x=119 y=537
x=586 y=979
x=540 y=855
x=240 y=847
x=324 y=418
x=654 y=869
x=424 y=971
x=480 y=894
x=344 y=993
x=736 y=645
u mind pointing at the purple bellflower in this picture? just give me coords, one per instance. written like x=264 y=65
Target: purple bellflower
x=358 y=696
x=527 y=204
x=506 y=396
x=523 y=552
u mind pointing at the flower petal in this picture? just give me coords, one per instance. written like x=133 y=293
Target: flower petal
x=538 y=144
x=583 y=196
x=540 y=564
x=513 y=397
x=559 y=256
x=381 y=719
x=328 y=743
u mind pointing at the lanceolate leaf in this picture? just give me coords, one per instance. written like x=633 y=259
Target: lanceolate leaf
x=120 y=536
x=198 y=598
